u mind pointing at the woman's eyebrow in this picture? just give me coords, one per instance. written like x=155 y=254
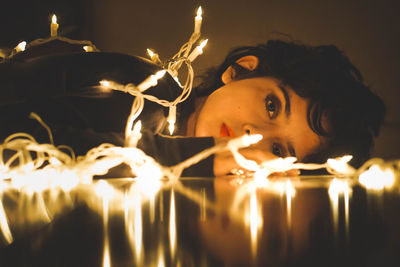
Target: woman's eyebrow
x=287 y=100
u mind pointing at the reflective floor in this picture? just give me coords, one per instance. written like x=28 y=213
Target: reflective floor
x=308 y=221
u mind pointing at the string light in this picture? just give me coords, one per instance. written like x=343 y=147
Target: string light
x=20 y=47
x=154 y=56
x=171 y=119
x=88 y=48
x=197 y=51
x=377 y=178
x=197 y=21
x=53 y=26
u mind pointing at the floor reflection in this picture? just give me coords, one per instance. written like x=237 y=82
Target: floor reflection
x=307 y=221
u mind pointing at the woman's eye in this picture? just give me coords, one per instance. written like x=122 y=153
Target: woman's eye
x=272 y=106
x=277 y=150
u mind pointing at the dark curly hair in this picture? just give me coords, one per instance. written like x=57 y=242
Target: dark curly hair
x=325 y=77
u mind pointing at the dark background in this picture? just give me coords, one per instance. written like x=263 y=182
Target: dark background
x=367 y=30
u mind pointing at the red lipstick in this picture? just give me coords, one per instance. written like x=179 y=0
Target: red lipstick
x=225 y=131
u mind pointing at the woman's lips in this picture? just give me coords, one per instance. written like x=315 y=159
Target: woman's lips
x=225 y=131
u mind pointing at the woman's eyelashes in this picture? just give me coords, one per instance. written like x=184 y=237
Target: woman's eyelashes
x=272 y=106
x=278 y=150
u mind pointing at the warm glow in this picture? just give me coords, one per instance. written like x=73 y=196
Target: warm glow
x=5 y=229
x=153 y=56
x=171 y=119
x=199 y=13
x=336 y=188
x=177 y=81
x=203 y=44
x=137 y=128
x=244 y=141
x=255 y=222
x=138 y=229
x=66 y=180
x=171 y=127
x=21 y=46
x=290 y=192
x=88 y=48
x=150 y=53
x=133 y=221
x=347 y=208
x=276 y=165
x=377 y=178
x=106 y=256
x=172 y=225
x=105 y=84
x=197 y=22
x=152 y=80
x=161 y=261
x=340 y=165
x=260 y=177
x=160 y=74
x=197 y=51
x=53 y=26
x=104 y=190
x=149 y=184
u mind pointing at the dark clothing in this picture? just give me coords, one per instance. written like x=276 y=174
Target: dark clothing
x=61 y=89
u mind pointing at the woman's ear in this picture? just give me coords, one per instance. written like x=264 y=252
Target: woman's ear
x=248 y=62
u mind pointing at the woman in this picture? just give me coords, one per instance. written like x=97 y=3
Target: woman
x=308 y=102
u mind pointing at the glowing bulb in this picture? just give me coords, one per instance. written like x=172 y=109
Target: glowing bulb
x=251 y=139
x=203 y=44
x=105 y=83
x=199 y=12
x=279 y=164
x=171 y=119
x=197 y=21
x=244 y=141
x=150 y=81
x=20 y=47
x=150 y=53
x=160 y=74
x=53 y=26
x=341 y=165
x=88 y=48
x=177 y=81
x=153 y=56
x=377 y=178
x=197 y=51
x=135 y=135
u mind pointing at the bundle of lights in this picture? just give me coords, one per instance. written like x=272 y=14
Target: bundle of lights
x=34 y=168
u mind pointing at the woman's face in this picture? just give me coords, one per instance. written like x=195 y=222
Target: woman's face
x=259 y=106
